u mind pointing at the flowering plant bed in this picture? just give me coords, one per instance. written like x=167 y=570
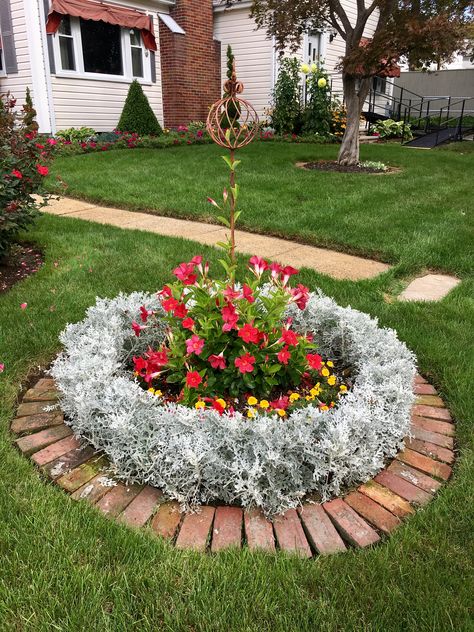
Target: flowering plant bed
x=205 y=454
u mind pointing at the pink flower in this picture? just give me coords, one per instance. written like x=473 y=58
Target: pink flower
x=193 y=379
x=137 y=328
x=259 y=265
x=2 y=367
x=300 y=295
x=281 y=402
x=42 y=170
x=23 y=305
x=249 y=333
x=199 y=133
x=286 y=273
x=170 y=304
x=284 y=355
x=185 y=273
x=275 y=269
x=194 y=344
x=247 y=293
x=196 y=260
x=188 y=323
x=315 y=361
x=231 y=294
x=52 y=141
x=217 y=361
x=17 y=174
x=245 y=363
x=166 y=291
x=230 y=317
x=213 y=202
x=289 y=337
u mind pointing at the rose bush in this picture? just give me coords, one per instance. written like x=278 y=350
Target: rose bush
x=23 y=166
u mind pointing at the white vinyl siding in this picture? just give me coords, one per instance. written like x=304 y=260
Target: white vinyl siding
x=253 y=52
x=17 y=83
x=98 y=103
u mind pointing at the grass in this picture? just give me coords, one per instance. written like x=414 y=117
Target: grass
x=419 y=216
x=64 y=567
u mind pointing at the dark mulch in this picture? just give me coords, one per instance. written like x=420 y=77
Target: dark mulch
x=329 y=165
x=23 y=260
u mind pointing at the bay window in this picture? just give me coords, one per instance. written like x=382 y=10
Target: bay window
x=90 y=48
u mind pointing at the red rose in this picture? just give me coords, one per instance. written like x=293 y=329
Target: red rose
x=42 y=170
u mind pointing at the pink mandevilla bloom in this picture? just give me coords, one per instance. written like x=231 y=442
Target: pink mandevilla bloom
x=137 y=328
x=2 y=367
x=259 y=265
x=144 y=313
x=180 y=310
x=289 y=337
x=249 y=333
x=185 y=273
x=275 y=269
x=315 y=361
x=195 y=344
x=231 y=294
x=193 y=379
x=286 y=273
x=230 y=317
x=217 y=361
x=284 y=355
x=300 y=295
x=247 y=293
x=23 y=305
x=245 y=363
x=170 y=304
x=188 y=323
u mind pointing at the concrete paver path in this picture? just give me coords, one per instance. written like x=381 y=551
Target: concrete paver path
x=335 y=264
x=431 y=287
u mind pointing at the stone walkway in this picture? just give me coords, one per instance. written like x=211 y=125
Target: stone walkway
x=335 y=264
x=362 y=518
x=431 y=287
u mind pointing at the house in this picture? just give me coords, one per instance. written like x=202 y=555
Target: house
x=79 y=56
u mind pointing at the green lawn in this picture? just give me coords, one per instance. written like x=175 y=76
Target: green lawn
x=64 y=567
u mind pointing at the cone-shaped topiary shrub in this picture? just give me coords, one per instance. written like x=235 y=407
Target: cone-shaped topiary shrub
x=137 y=115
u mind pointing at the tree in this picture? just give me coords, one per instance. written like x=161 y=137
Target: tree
x=421 y=31
x=137 y=115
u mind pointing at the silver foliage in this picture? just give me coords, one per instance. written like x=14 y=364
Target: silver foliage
x=200 y=457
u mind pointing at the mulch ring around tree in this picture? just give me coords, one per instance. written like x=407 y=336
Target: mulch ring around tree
x=22 y=261
x=334 y=166
x=363 y=517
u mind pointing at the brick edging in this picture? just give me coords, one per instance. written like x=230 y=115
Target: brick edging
x=364 y=516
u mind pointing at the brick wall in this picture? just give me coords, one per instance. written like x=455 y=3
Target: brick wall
x=190 y=64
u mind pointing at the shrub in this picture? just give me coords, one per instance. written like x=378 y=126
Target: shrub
x=137 y=115
x=233 y=108
x=29 y=118
x=285 y=116
x=76 y=134
x=393 y=129
x=22 y=169
x=317 y=112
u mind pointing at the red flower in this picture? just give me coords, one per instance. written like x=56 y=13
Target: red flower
x=42 y=170
x=230 y=294
x=180 y=310
x=218 y=406
x=248 y=333
x=275 y=269
x=315 y=361
x=144 y=313
x=185 y=273
x=284 y=355
x=245 y=363
x=289 y=337
x=17 y=174
x=193 y=379
x=196 y=260
x=170 y=304
x=166 y=291
x=141 y=365
x=230 y=317
x=188 y=323
x=247 y=293
x=281 y=402
x=259 y=265
x=217 y=361
x=195 y=344
x=137 y=328
x=158 y=358
x=286 y=273
x=300 y=295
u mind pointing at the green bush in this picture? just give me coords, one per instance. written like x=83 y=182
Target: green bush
x=392 y=129
x=285 y=116
x=22 y=169
x=137 y=115
x=317 y=116
x=76 y=134
x=231 y=119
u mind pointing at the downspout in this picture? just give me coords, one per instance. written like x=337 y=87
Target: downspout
x=46 y=69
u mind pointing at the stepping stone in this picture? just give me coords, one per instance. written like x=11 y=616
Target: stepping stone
x=431 y=287
x=258 y=531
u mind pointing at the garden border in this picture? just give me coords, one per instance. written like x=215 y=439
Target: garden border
x=361 y=518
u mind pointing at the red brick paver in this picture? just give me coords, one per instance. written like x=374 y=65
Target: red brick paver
x=32 y=408
x=142 y=507
x=410 y=474
x=166 y=520
x=425 y=464
x=431 y=449
x=34 y=423
x=403 y=488
x=432 y=437
x=56 y=450
x=195 y=530
x=68 y=461
x=258 y=531
x=227 y=530
x=290 y=534
x=430 y=400
x=424 y=389
x=117 y=499
x=381 y=518
x=81 y=475
x=322 y=534
x=433 y=425
x=352 y=527
x=94 y=489
x=394 y=503
x=35 y=442
x=41 y=395
x=420 y=379
x=432 y=412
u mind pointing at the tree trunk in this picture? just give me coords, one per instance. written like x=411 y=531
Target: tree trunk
x=355 y=93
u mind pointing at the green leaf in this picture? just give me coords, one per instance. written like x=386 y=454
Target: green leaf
x=226 y=159
x=237 y=215
x=223 y=221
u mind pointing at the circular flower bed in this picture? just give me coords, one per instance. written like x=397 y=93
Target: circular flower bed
x=203 y=455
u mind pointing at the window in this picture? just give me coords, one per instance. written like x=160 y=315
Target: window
x=379 y=84
x=2 y=63
x=313 y=52
x=97 y=49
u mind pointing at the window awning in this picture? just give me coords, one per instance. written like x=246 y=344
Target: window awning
x=113 y=14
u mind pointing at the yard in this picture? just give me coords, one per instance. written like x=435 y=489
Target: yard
x=65 y=567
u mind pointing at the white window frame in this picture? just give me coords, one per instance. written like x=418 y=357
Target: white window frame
x=80 y=73
x=3 y=72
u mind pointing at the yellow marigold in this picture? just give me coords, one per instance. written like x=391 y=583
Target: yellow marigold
x=281 y=412
x=294 y=397
x=324 y=408
x=309 y=398
x=325 y=372
x=264 y=403
x=329 y=363
x=151 y=391
x=331 y=380
x=315 y=391
x=221 y=402
x=158 y=393
x=343 y=388
x=251 y=412
x=199 y=404
x=252 y=401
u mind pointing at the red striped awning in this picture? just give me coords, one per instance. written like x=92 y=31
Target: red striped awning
x=101 y=11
